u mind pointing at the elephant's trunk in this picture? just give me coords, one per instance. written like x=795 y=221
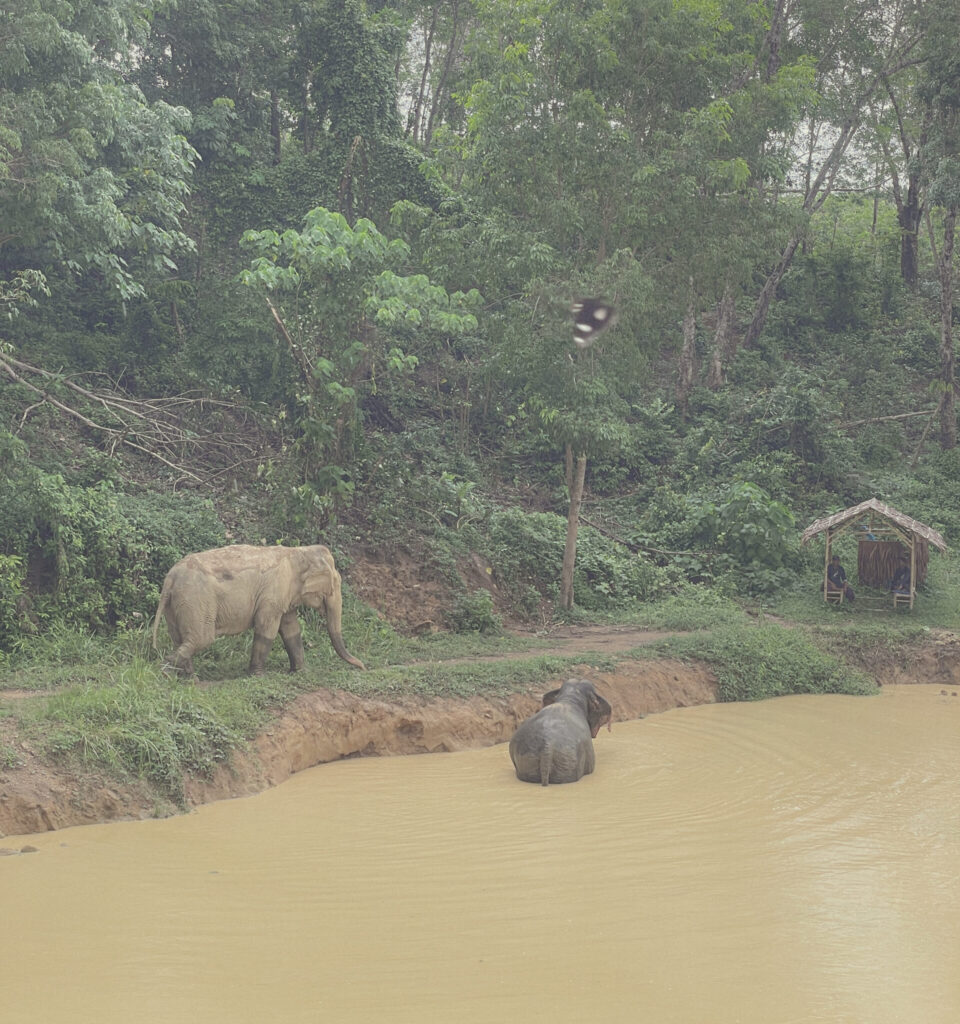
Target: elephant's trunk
x=333 y=615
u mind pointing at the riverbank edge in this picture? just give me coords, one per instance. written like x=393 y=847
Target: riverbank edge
x=323 y=726
x=326 y=725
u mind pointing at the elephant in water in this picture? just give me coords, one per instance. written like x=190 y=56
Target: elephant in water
x=225 y=591
x=556 y=744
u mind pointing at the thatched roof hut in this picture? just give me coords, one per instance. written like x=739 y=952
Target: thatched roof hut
x=885 y=536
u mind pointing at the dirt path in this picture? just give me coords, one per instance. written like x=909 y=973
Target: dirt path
x=567 y=640
x=327 y=725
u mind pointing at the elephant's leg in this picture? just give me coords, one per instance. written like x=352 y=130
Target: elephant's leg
x=258 y=655
x=264 y=633
x=292 y=640
x=182 y=659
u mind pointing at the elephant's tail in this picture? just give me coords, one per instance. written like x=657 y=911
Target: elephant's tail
x=164 y=599
x=546 y=763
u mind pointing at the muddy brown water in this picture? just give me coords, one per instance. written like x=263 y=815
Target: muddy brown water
x=795 y=860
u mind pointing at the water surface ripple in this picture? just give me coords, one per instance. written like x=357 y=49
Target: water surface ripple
x=789 y=861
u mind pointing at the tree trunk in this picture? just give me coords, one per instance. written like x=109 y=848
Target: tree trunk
x=909 y=216
x=306 y=123
x=687 y=368
x=948 y=411
x=417 y=112
x=275 y=124
x=773 y=41
x=724 y=340
x=441 y=87
x=576 y=471
x=770 y=286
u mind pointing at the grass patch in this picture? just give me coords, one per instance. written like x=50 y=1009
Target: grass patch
x=9 y=758
x=866 y=641
x=138 y=724
x=441 y=679
x=693 y=608
x=64 y=657
x=757 y=662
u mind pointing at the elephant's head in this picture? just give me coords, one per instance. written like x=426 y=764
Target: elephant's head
x=583 y=693
x=320 y=588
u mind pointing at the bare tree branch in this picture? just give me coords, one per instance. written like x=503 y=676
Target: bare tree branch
x=165 y=429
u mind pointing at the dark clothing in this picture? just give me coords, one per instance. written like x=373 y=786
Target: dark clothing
x=900 y=583
x=836 y=575
x=837 y=580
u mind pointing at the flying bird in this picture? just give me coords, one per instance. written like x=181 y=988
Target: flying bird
x=591 y=317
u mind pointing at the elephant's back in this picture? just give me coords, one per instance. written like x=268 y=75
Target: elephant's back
x=556 y=725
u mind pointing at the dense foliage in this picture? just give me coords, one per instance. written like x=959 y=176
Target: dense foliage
x=281 y=271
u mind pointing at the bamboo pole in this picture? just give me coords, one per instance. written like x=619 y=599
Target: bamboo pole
x=913 y=567
x=826 y=566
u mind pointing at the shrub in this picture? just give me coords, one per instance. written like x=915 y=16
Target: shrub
x=527 y=550
x=474 y=613
x=756 y=662
x=88 y=555
x=11 y=587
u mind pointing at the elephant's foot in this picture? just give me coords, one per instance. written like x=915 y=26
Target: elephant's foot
x=258 y=656
x=179 y=669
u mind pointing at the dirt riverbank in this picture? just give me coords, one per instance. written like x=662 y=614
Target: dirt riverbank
x=325 y=725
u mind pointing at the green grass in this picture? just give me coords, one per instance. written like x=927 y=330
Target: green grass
x=694 y=608
x=62 y=657
x=766 y=660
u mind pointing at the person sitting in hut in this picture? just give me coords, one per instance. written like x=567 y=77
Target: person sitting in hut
x=900 y=584
x=837 y=578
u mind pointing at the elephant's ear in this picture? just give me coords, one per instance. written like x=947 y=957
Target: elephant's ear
x=550 y=698
x=318 y=581
x=599 y=712
x=317 y=572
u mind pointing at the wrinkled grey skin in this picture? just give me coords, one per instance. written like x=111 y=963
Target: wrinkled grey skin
x=225 y=591
x=556 y=744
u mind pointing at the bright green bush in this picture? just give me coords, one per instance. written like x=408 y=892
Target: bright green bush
x=756 y=662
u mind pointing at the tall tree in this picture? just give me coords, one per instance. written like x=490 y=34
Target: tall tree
x=337 y=300
x=92 y=177
x=858 y=46
x=940 y=90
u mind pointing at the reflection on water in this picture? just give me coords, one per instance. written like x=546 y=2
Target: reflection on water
x=796 y=860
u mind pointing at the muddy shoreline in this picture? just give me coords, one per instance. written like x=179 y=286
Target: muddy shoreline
x=324 y=726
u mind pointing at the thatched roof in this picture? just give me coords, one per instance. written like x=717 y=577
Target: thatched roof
x=872 y=505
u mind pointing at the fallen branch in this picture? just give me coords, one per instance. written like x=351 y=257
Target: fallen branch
x=885 y=419
x=299 y=356
x=114 y=432
x=152 y=427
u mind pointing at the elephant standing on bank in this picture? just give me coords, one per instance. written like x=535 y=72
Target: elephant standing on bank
x=225 y=591
x=556 y=744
